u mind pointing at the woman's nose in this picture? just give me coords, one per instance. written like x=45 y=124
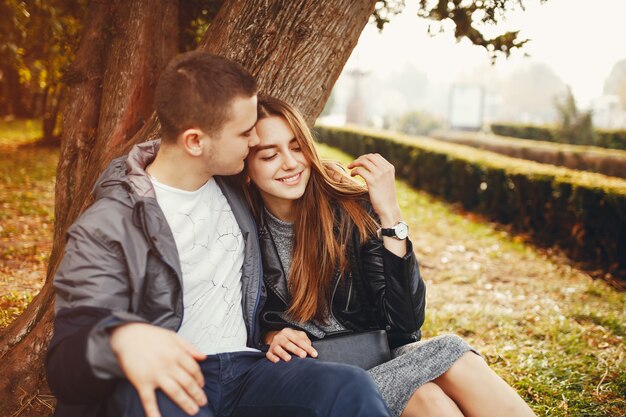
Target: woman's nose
x=289 y=162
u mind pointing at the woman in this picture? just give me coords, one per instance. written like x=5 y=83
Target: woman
x=327 y=271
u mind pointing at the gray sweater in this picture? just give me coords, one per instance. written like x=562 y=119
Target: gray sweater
x=283 y=236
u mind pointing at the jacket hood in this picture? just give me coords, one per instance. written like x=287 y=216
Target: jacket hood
x=125 y=179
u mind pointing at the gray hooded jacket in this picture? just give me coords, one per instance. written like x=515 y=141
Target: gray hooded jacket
x=121 y=265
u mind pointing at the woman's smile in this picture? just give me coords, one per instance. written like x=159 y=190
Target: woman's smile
x=292 y=179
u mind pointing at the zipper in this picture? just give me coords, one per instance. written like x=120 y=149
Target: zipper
x=255 y=315
x=332 y=298
x=349 y=292
x=282 y=268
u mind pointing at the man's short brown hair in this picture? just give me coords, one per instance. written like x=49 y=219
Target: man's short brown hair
x=196 y=90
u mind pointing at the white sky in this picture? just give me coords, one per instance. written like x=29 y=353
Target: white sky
x=580 y=40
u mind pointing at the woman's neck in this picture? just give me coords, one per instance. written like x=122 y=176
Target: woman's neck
x=282 y=210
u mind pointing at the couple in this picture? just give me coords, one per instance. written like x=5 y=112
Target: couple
x=169 y=280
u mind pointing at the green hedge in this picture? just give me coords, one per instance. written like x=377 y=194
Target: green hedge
x=611 y=162
x=584 y=213
x=524 y=131
x=614 y=139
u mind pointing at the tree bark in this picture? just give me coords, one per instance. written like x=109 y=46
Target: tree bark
x=295 y=48
x=124 y=47
x=51 y=106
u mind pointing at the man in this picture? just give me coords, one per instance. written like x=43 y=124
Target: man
x=159 y=290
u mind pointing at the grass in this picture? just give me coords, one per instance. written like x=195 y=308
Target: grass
x=19 y=132
x=548 y=329
x=27 y=174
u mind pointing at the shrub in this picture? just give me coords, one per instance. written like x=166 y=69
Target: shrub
x=584 y=213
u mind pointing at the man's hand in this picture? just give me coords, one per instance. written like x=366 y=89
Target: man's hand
x=288 y=340
x=152 y=358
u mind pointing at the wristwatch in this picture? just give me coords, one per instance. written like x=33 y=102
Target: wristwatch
x=399 y=231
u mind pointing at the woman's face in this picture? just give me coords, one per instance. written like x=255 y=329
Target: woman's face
x=277 y=165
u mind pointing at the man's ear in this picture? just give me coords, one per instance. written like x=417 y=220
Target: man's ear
x=192 y=141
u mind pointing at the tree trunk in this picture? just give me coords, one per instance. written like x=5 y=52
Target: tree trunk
x=295 y=48
x=51 y=106
x=110 y=92
x=15 y=94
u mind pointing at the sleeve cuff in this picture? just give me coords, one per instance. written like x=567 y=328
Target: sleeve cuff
x=99 y=352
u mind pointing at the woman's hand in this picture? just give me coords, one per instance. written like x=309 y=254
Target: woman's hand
x=288 y=340
x=379 y=175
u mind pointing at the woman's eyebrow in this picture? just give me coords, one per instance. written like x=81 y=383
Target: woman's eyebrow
x=264 y=147
x=270 y=146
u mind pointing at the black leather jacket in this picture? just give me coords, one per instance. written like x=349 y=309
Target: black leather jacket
x=380 y=291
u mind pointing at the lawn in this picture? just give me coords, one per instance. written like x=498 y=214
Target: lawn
x=27 y=175
x=546 y=327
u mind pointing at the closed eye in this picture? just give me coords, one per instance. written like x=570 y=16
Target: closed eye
x=269 y=158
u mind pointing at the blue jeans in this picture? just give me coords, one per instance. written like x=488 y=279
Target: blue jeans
x=241 y=384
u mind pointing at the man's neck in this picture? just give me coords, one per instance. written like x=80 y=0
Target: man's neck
x=175 y=169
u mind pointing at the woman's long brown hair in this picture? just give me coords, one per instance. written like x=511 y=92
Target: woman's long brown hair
x=325 y=217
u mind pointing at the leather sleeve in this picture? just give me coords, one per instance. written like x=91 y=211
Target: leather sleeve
x=395 y=286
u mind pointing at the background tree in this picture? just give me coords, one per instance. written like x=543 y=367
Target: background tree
x=296 y=49
x=414 y=123
x=574 y=126
x=40 y=39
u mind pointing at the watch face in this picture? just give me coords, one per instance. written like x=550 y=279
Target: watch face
x=402 y=231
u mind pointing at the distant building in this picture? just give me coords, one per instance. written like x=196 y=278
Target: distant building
x=466 y=109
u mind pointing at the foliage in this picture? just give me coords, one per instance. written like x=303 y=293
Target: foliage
x=581 y=212
x=12 y=305
x=41 y=39
x=194 y=17
x=385 y=10
x=523 y=131
x=27 y=176
x=612 y=139
x=468 y=15
x=414 y=123
x=19 y=132
x=574 y=126
x=585 y=158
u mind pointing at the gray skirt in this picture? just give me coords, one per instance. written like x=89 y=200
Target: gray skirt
x=413 y=365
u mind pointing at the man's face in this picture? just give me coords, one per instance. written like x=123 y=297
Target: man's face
x=225 y=153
